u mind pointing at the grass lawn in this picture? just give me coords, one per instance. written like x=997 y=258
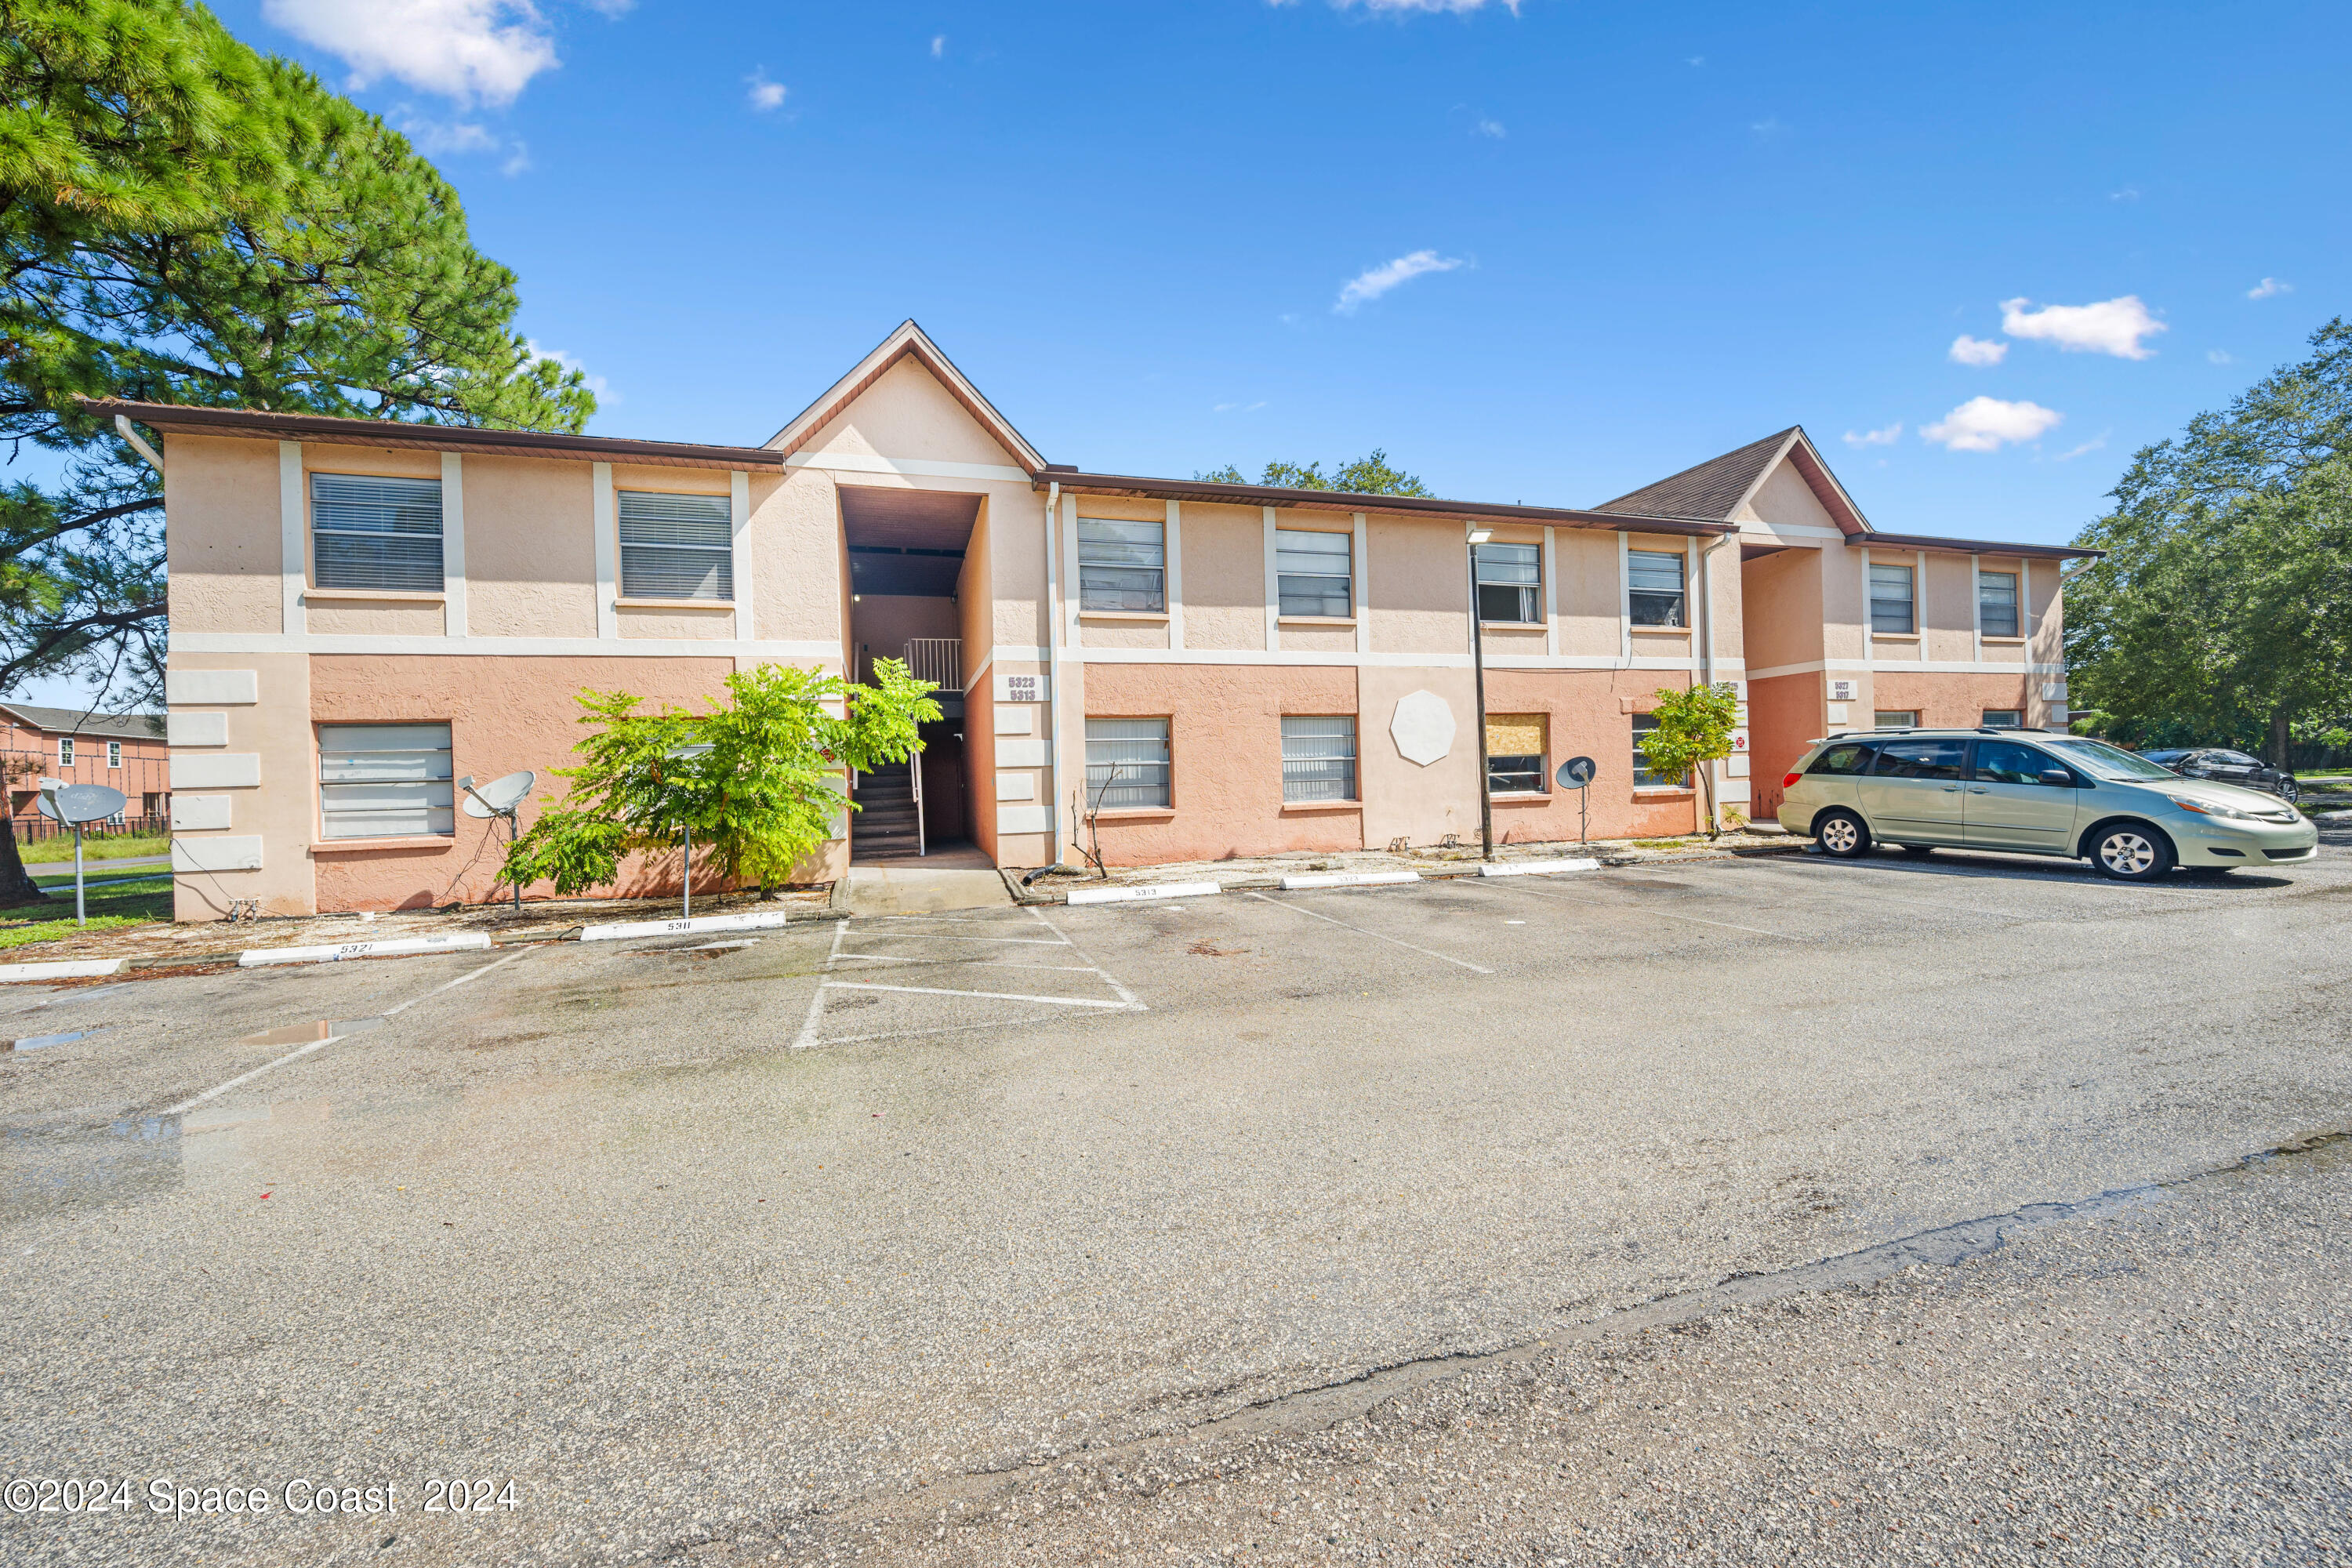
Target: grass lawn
x=131 y=904
x=120 y=848
x=2335 y=775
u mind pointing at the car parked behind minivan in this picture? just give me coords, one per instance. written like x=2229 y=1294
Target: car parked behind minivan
x=2225 y=766
x=2031 y=791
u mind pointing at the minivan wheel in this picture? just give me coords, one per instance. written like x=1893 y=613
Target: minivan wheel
x=2131 y=852
x=2290 y=790
x=1842 y=834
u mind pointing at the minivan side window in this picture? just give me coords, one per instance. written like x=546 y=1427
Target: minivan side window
x=1845 y=759
x=1920 y=760
x=2006 y=762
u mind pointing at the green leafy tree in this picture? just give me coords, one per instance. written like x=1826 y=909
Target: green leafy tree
x=182 y=220
x=1695 y=728
x=762 y=798
x=1367 y=476
x=2223 y=608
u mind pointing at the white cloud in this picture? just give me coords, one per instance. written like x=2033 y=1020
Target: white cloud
x=1769 y=126
x=1984 y=424
x=2128 y=193
x=1967 y=350
x=518 y=159
x=596 y=384
x=2092 y=445
x=1374 y=281
x=2110 y=327
x=764 y=95
x=445 y=138
x=1696 y=61
x=2268 y=287
x=1238 y=407
x=471 y=51
x=938 y=45
x=1886 y=438
x=2219 y=356
x=1492 y=128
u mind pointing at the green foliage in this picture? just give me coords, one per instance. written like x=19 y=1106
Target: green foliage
x=2222 y=612
x=182 y=220
x=762 y=798
x=1367 y=476
x=94 y=846
x=1695 y=728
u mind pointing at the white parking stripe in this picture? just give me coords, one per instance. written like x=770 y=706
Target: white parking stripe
x=188 y=1105
x=1108 y=979
x=1296 y=910
x=991 y=995
x=1640 y=909
x=954 y=936
x=817 y=998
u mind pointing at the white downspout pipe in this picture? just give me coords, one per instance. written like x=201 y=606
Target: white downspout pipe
x=138 y=443
x=1054 y=663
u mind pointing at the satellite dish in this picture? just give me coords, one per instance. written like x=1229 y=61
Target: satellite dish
x=78 y=804
x=500 y=797
x=1577 y=771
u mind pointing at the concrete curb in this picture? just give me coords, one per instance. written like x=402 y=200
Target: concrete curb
x=1348 y=879
x=59 y=969
x=624 y=931
x=1537 y=867
x=391 y=947
x=1138 y=891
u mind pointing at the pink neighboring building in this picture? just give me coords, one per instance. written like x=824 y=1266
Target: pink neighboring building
x=363 y=612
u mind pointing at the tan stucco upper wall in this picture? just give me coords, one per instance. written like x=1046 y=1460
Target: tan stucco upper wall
x=531 y=565
x=976 y=612
x=800 y=590
x=1947 y=608
x=2046 y=594
x=1225 y=577
x=1784 y=498
x=1726 y=607
x=907 y=413
x=1784 y=603
x=1589 y=595
x=1420 y=586
x=221 y=533
x=1016 y=566
x=1845 y=601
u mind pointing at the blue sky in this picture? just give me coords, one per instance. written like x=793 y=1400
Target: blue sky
x=1646 y=234
x=1596 y=243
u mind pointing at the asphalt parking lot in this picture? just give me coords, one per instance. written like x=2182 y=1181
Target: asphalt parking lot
x=774 y=1244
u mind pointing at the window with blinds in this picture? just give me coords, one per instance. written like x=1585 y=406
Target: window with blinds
x=385 y=780
x=1643 y=778
x=1127 y=762
x=1122 y=565
x=1997 y=604
x=1510 y=582
x=1318 y=758
x=1890 y=599
x=677 y=546
x=1515 y=753
x=1653 y=588
x=373 y=534
x=1311 y=573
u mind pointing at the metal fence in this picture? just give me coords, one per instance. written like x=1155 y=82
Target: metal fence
x=144 y=780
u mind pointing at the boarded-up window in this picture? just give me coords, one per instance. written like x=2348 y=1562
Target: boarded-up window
x=1515 y=752
x=385 y=781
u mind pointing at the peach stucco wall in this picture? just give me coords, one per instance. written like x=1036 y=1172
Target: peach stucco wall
x=221 y=530
x=280 y=810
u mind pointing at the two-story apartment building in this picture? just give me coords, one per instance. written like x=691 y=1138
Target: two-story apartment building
x=363 y=612
x=121 y=751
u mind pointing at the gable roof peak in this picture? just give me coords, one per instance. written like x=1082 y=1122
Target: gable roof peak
x=907 y=341
x=1719 y=487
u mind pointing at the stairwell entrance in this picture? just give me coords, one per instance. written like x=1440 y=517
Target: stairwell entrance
x=906 y=569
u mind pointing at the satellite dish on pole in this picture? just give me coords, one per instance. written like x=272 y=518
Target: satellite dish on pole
x=500 y=797
x=1575 y=773
x=75 y=803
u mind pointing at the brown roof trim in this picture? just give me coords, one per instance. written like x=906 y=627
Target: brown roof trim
x=908 y=341
x=173 y=419
x=1208 y=491
x=1974 y=546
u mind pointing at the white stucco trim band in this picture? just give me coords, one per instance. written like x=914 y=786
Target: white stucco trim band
x=502 y=648
x=1900 y=666
x=912 y=467
x=1348 y=660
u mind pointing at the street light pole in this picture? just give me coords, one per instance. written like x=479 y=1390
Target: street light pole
x=1479 y=536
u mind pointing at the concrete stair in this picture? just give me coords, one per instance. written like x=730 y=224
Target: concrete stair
x=884 y=826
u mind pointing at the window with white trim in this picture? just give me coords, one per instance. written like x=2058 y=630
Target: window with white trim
x=677 y=546
x=1653 y=588
x=1122 y=565
x=1127 y=764
x=1894 y=719
x=385 y=780
x=65 y=751
x=370 y=532
x=1997 y=604
x=1318 y=757
x=114 y=753
x=1642 y=777
x=1510 y=582
x=1311 y=573
x=2004 y=718
x=1892 y=606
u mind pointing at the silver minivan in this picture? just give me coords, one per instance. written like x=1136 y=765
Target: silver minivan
x=2031 y=791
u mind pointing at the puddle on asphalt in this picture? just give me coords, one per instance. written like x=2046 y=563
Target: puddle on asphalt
x=55 y=1172
x=306 y=1034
